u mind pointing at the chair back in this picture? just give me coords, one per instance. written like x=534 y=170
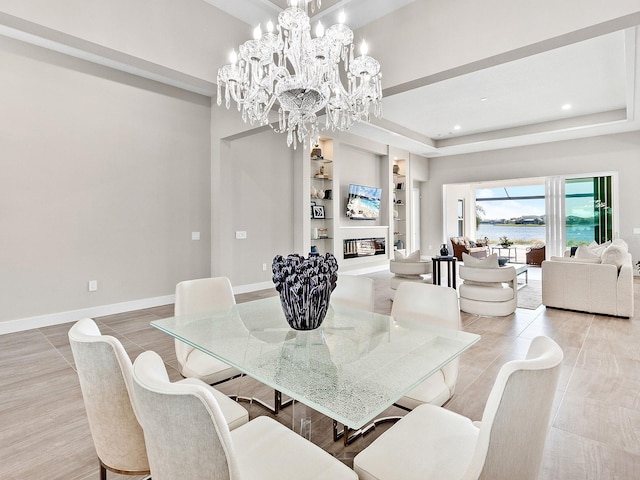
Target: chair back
x=434 y=305
x=105 y=374
x=354 y=291
x=185 y=431
x=516 y=418
x=197 y=296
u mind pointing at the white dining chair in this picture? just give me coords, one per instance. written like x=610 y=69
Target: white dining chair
x=199 y=296
x=187 y=437
x=354 y=291
x=105 y=375
x=432 y=443
x=432 y=305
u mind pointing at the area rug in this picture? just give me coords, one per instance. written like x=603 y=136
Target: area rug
x=530 y=295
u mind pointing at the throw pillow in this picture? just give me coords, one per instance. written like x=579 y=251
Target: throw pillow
x=587 y=252
x=621 y=243
x=489 y=262
x=412 y=257
x=614 y=255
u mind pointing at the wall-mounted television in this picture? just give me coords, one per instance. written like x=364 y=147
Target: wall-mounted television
x=363 y=203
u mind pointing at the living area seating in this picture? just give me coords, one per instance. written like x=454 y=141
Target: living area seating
x=462 y=245
x=432 y=443
x=409 y=268
x=434 y=305
x=487 y=288
x=535 y=254
x=187 y=437
x=597 y=279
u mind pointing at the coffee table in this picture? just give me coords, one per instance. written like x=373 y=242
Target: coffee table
x=352 y=368
x=520 y=269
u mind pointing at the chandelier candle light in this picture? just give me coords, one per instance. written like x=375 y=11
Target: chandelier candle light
x=302 y=74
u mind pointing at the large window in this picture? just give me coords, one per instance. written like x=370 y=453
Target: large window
x=513 y=211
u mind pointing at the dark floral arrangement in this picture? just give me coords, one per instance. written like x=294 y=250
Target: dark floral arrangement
x=638 y=265
x=305 y=286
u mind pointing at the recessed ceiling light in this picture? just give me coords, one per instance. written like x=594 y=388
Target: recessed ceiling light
x=566 y=106
x=457 y=127
x=483 y=99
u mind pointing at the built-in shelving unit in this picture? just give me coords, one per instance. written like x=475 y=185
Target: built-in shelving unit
x=321 y=196
x=399 y=189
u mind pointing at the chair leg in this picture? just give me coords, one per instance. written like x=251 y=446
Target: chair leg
x=103 y=472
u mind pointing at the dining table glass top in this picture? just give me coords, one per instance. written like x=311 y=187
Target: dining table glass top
x=351 y=368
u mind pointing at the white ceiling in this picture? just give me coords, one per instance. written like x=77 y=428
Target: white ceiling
x=523 y=99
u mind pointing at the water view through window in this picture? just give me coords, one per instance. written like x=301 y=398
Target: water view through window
x=518 y=212
x=515 y=212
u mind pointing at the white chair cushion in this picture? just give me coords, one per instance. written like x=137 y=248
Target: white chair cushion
x=201 y=365
x=478 y=292
x=435 y=444
x=262 y=445
x=576 y=260
x=234 y=413
x=412 y=257
x=489 y=262
x=586 y=252
x=433 y=390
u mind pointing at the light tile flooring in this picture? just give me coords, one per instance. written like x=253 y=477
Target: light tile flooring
x=596 y=426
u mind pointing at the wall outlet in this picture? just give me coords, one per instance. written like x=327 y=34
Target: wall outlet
x=430 y=247
x=636 y=231
x=93 y=285
x=264 y=267
x=195 y=235
x=241 y=234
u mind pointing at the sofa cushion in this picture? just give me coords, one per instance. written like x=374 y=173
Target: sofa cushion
x=412 y=257
x=614 y=255
x=489 y=262
x=575 y=260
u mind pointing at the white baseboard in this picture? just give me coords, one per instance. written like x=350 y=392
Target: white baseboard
x=19 y=325
x=252 y=287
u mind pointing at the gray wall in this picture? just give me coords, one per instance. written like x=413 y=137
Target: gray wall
x=104 y=177
x=598 y=154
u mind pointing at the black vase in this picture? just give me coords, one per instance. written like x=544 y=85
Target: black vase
x=305 y=286
x=444 y=251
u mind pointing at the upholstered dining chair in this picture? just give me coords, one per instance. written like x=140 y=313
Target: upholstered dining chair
x=105 y=373
x=187 y=437
x=354 y=291
x=434 y=443
x=197 y=296
x=433 y=305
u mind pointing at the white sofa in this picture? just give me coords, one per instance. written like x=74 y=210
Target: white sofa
x=596 y=280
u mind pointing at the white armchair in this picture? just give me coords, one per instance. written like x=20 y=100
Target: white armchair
x=410 y=268
x=354 y=291
x=434 y=443
x=487 y=289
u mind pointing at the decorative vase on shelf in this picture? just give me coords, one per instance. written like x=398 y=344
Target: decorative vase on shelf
x=305 y=286
x=444 y=251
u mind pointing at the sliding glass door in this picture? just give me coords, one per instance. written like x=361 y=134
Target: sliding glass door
x=588 y=210
x=580 y=210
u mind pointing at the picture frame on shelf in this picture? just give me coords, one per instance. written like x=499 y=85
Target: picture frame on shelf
x=317 y=211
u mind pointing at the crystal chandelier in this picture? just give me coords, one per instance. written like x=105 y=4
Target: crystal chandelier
x=302 y=74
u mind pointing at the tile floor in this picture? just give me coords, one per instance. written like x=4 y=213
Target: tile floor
x=596 y=425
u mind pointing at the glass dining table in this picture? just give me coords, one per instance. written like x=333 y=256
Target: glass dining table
x=351 y=368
